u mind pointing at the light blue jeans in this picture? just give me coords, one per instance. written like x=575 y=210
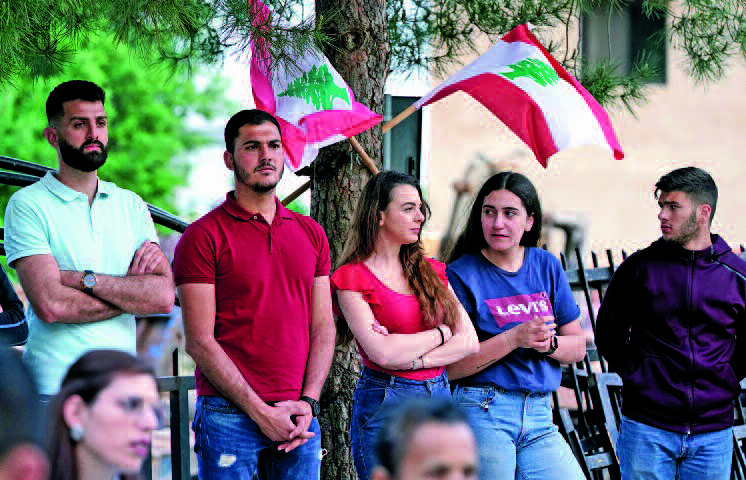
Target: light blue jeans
x=231 y=446
x=649 y=453
x=375 y=396
x=517 y=438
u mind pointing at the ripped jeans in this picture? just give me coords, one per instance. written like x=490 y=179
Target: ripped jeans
x=230 y=446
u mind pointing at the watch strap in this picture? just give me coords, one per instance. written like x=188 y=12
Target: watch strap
x=315 y=406
x=553 y=344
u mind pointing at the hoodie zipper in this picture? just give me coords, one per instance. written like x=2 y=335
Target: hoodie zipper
x=690 y=297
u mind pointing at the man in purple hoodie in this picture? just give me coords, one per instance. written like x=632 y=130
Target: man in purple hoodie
x=673 y=326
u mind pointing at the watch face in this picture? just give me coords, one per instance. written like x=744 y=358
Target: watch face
x=89 y=280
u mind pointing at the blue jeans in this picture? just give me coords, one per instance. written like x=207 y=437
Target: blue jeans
x=375 y=395
x=649 y=453
x=516 y=436
x=231 y=446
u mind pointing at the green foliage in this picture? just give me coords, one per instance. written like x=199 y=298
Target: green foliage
x=38 y=38
x=710 y=33
x=609 y=88
x=434 y=34
x=299 y=207
x=317 y=87
x=147 y=105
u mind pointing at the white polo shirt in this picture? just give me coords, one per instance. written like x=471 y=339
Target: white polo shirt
x=51 y=218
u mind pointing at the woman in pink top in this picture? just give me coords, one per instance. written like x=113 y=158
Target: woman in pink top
x=397 y=304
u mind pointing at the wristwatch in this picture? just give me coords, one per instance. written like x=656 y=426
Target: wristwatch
x=552 y=345
x=88 y=281
x=315 y=406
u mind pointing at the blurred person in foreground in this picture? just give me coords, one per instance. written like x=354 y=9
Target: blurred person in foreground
x=21 y=455
x=103 y=418
x=426 y=439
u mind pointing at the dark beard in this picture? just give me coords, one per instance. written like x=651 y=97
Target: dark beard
x=689 y=231
x=242 y=176
x=81 y=160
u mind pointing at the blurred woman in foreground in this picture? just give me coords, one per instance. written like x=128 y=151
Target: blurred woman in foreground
x=103 y=418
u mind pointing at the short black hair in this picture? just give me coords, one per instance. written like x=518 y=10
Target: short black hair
x=695 y=182
x=68 y=91
x=246 y=117
x=395 y=436
x=20 y=421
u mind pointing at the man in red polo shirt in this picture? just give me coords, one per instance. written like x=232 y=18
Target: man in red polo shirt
x=253 y=281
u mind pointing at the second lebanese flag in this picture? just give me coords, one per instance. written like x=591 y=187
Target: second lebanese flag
x=312 y=103
x=525 y=87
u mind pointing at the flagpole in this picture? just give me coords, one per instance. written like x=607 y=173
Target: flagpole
x=397 y=119
x=366 y=159
x=289 y=199
x=358 y=148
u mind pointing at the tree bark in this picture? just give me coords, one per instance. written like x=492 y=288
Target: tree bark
x=362 y=56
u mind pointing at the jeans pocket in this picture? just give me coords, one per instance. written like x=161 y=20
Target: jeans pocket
x=473 y=396
x=197 y=426
x=368 y=402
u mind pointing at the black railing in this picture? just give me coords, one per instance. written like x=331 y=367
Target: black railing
x=25 y=173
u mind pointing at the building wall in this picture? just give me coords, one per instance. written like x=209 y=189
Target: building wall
x=682 y=124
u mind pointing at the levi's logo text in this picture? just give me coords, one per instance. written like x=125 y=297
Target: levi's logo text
x=519 y=308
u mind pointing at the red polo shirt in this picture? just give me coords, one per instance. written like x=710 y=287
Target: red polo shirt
x=263 y=276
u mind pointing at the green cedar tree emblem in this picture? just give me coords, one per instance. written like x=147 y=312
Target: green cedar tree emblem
x=538 y=71
x=317 y=87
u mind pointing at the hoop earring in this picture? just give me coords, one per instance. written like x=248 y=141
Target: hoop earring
x=77 y=432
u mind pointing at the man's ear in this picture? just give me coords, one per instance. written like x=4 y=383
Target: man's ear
x=228 y=159
x=704 y=212
x=50 y=133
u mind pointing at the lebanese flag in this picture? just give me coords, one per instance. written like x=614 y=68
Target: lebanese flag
x=312 y=103
x=525 y=87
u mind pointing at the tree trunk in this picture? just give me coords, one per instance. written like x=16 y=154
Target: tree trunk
x=362 y=57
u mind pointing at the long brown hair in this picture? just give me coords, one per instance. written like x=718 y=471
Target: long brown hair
x=471 y=239
x=436 y=303
x=87 y=377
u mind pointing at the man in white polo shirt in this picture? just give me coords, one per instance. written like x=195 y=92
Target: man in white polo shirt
x=85 y=250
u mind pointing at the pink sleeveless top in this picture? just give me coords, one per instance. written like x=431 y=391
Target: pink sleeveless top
x=399 y=313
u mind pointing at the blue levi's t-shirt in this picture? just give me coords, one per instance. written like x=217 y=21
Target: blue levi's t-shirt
x=497 y=300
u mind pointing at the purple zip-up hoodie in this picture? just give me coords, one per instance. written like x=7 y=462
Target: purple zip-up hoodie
x=673 y=325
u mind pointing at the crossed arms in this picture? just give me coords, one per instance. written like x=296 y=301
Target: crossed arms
x=399 y=351
x=57 y=296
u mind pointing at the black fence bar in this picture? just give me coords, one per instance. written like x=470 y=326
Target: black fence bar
x=31 y=173
x=178 y=392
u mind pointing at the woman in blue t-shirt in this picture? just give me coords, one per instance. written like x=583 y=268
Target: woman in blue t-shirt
x=527 y=321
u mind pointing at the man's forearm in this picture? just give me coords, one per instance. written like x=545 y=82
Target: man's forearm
x=72 y=306
x=320 y=355
x=137 y=294
x=224 y=375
